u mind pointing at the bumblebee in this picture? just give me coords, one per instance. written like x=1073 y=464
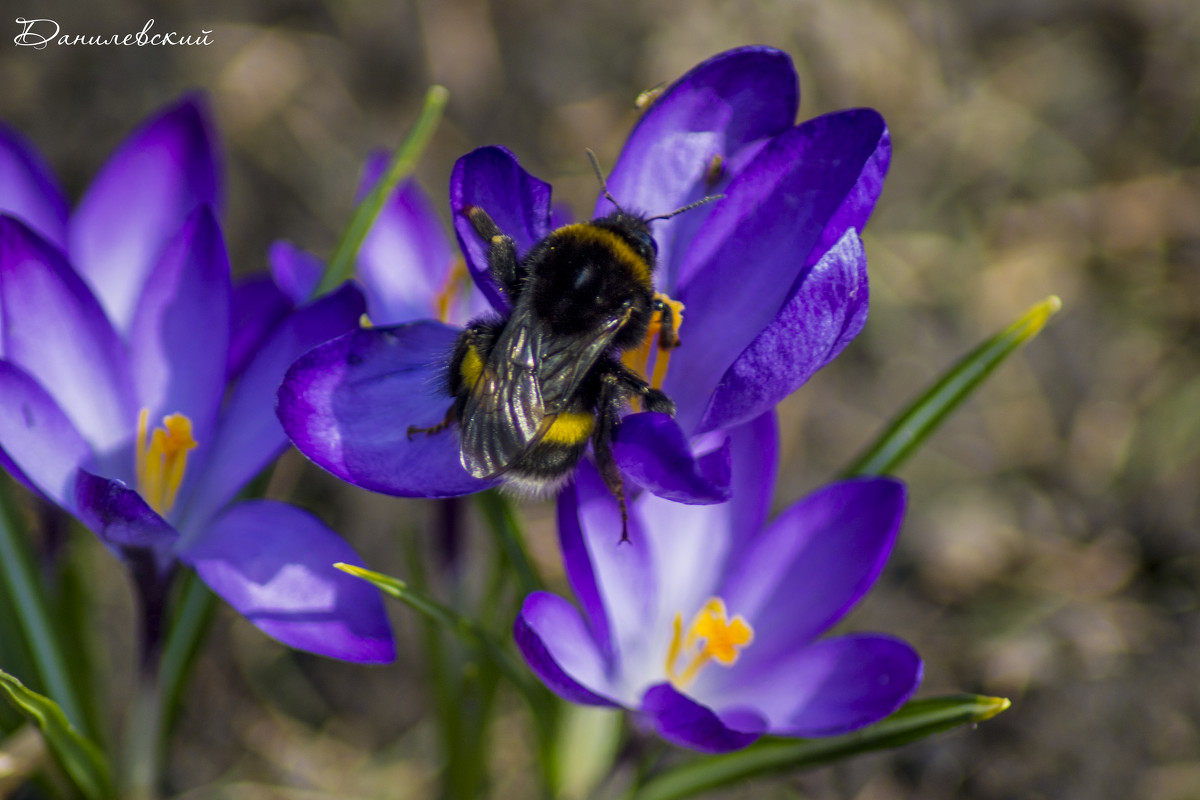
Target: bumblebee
x=531 y=388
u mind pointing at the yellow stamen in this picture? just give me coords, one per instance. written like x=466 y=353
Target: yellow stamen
x=364 y=321
x=456 y=281
x=162 y=464
x=711 y=636
x=638 y=358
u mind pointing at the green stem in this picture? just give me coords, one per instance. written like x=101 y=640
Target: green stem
x=498 y=511
x=441 y=675
x=193 y=611
x=144 y=741
x=404 y=161
x=33 y=615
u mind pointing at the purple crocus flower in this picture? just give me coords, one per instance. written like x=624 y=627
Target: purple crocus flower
x=772 y=277
x=707 y=622
x=116 y=324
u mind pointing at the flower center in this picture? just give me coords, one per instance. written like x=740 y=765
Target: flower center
x=652 y=357
x=456 y=282
x=711 y=635
x=161 y=462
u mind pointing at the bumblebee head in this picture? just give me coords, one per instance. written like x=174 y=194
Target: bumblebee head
x=632 y=227
x=634 y=230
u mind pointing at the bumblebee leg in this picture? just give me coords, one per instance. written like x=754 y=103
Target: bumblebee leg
x=633 y=384
x=446 y=422
x=611 y=393
x=503 y=266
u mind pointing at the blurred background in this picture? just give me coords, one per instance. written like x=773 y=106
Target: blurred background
x=1050 y=550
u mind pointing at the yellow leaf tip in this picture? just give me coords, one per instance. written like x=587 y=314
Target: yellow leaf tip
x=991 y=706
x=350 y=568
x=1036 y=317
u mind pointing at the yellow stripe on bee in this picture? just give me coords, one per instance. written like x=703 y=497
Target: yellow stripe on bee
x=570 y=428
x=471 y=367
x=587 y=233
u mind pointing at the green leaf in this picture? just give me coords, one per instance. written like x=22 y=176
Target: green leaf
x=404 y=161
x=916 y=720
x=921 y=418
x=19 y=576
x=78 y=757
x=465 y=629
x=485 y=647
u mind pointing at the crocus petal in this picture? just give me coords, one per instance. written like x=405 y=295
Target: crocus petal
x=406 y=258
x=139 y=200
x=258 y=305
x=491 y=178
x=653 y=451
x=814 y=562
x=773 y=215
x=274 y=564
x=681 y=720
x=348 y=404
x=249 y=436
x=179 y=338
x=754 y=460
x=560 y=649
x=124 y=522
x=825 y=314
x=614 y=581
x=692 y=545
x=37 y=438
x=296 y=271
x=831 y=687
x=716 y=109
x=52 y=326
x=859 y=202
x=29 y=190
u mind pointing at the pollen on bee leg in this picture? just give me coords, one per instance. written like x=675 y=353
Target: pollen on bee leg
x=161 y=463
x=710 y=636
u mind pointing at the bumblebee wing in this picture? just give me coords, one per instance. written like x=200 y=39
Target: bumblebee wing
x=504 y=412
x=566 y=361
x=530 y=376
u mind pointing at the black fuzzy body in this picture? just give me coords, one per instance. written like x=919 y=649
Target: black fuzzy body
x=531 y=388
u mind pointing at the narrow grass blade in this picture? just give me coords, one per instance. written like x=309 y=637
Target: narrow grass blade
x=465 y=629
x=404 y=160
x=921 y=418
x=19 y=576
x=916 y=720
x=79 y=758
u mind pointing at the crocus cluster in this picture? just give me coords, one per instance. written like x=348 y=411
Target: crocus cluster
x=136 y=386
x=707 y=624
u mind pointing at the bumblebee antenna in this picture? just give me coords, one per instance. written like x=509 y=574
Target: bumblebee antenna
x=603 y=182
x=688 y=207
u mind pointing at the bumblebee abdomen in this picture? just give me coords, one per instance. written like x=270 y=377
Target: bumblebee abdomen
x=546 y=467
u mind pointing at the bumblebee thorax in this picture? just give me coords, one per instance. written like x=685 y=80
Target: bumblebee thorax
x=584 y=274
